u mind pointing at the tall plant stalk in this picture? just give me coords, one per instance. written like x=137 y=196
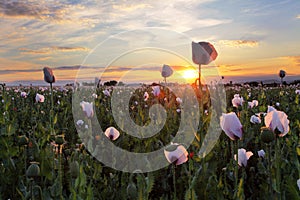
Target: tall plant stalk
x=234 y=151
x=51 y=111
x=174 y=180
x=269 y=170
x=277 y=160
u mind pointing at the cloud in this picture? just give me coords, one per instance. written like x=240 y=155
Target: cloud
x=164 y=14
x=239 y=43
x=53 y=49
x=298 y=16
x=48 y=11
x=295 y=60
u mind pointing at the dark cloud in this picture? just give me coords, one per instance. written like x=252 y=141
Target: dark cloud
x=35 y=10
x=48 y=50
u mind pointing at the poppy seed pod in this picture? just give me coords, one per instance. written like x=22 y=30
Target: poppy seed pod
x=59 y=139
x=74 y=169
x=33 y=170
x=266 y=135
x=48 y=75
x=22 y=140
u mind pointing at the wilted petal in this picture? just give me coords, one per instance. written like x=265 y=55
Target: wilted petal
x=231 y=125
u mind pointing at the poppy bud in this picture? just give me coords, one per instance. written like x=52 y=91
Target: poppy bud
x=74 y=169
x=59 y=139
x=33 y=170
x=22 y=140
x=131 y=191
x=48 y=75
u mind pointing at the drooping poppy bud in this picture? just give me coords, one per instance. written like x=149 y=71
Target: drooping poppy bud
x=48 y=75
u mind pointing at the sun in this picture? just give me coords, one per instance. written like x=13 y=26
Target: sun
x=190 y=74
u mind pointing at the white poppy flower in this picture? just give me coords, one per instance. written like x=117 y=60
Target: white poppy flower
x=237 y=100
x=179 y=100
x=39 y=98
x=106 y=92
x=95 y=95
x=255 y=120
x=80 y=122
x=231 y=125
x=261 y=153
x=253 y=103
x=112 y=133
x=146 y=96
x=87 y=108
x=23 y=94
x=156 y=90
x=176 y=154
x=243 y=157
x=277 y=120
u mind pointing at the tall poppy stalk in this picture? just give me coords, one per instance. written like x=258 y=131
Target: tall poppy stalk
x=232 y=127
x=50 y=78
x=278 y=123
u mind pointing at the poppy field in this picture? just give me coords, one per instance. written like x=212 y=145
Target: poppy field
x=44 y=153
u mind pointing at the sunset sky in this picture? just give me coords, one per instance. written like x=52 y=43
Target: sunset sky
x=129 y=41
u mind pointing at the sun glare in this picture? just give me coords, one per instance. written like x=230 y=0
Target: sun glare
x=190 y=74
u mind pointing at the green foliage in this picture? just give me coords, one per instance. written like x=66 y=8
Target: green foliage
x=68 y=171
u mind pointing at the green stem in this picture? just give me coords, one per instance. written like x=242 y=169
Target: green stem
x=51 y=111
x=60 y=172
x=270 y=172
x=32 y=195
x=174 y=181
x=277 y=160
x=234 y=151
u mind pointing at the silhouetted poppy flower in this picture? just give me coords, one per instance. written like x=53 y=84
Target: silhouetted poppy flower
x=48 y=75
